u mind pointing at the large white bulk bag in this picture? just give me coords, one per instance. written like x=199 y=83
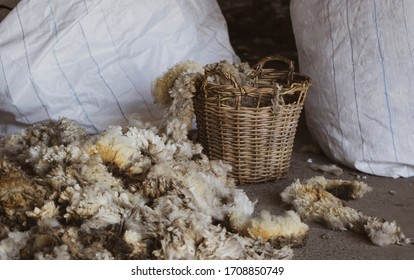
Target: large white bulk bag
x=359 y=54
x=94 y=61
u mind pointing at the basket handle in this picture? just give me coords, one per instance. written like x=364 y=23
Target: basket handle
x=258 y=68
x=229 y=77
x=226 y=75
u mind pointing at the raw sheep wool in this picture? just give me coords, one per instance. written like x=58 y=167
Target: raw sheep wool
x=319 y=199
x=128 y=193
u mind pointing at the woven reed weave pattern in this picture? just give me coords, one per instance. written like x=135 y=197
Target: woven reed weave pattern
x=248 y=126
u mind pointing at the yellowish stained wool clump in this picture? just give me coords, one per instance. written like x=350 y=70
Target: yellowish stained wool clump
x=286 y=229
x=164 y=83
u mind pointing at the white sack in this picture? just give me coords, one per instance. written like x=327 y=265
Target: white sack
x=359 y=54
x=94 y=61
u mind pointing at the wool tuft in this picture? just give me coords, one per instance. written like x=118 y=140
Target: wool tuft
x=318 y=199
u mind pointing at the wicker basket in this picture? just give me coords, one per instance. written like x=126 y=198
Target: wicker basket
x=252 y=127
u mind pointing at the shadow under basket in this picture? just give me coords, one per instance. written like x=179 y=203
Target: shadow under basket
x=252 y=127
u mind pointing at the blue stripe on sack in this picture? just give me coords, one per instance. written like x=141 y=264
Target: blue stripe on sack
x=217 y=40
x=8 y=91
x=385 y=79
x=28 y=63
x=215 y=36
x=355 y=89
x=55 y=29
x=120 y=65
x=334 y=69
x=99 y=72
x=73 y=91
x=409 y=171
x=407 y=34
x=86 y=6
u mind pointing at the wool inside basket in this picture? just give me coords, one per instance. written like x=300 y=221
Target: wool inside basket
x=252 y=127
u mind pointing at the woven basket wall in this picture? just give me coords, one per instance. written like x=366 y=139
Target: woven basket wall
x=248 y=126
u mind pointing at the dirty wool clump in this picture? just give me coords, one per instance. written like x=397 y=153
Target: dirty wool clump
x=321 y=200
x=133 y=192
x=130 y=192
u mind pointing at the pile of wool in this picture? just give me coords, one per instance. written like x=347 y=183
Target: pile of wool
x=133 y=192
x=130 y=192
x=319 y=200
